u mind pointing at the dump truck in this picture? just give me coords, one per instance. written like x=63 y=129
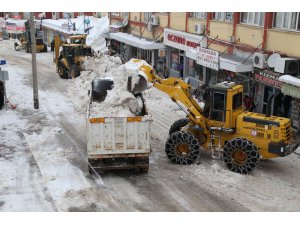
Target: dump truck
x=116 y=143
x=222 y=127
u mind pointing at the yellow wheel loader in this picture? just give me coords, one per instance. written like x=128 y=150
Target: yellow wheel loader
x=222 y=127
x=70 y=55
x=24 y=41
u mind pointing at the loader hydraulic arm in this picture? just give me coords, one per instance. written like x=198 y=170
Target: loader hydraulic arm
x=57 y=44
x=178 y=90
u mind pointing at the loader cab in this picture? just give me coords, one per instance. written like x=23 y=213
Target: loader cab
x=224 y=104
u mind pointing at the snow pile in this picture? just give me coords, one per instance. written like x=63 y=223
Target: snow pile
x=95 y=38
x=119 y=101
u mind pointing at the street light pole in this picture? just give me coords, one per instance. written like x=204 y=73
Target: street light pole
x=34 y=70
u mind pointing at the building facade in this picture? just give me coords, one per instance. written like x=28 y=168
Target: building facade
x=245 y=44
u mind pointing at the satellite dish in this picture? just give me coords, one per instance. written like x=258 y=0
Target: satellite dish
x=272 y=59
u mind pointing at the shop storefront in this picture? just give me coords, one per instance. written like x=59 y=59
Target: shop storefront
x=291 y=87
x=131 y=46
x=180 y=54
x=268 y=89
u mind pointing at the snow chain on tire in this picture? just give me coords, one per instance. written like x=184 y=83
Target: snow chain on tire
x=240 y=155
x=183 y=140
x=177 y=125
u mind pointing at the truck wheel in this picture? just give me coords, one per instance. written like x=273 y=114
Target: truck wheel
x=177 y=125
x=74 y=71
x=62 y=70
x=240 y=155
x=182 y=148
x=1 y=95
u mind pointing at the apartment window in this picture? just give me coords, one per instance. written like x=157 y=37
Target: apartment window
x=253 y=18
x=199 y=15
x=53 y=14
x=287 y=20
x=225 y=16
x=115 y=14
x=147 y=16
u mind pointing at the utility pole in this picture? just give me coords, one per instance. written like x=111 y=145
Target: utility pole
x=34 y=70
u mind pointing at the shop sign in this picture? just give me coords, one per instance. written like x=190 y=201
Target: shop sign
x=208 y=58
x=182 y=40
x=161 y=52
x=268 y=79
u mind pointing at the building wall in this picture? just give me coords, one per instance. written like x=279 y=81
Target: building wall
x=284 y=41
x=178 y=21
x=192 y=22
x=249 y=35
x=221 y=29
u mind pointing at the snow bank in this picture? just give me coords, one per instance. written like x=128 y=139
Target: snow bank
x=290 y=80
x=95 y=38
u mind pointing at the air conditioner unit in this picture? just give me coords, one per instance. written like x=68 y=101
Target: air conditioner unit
x=135 y=18
x=260 y=60
x=149 y=27
x=154 y=20
x=199 y=28
x=231 y=39
x=287 y=66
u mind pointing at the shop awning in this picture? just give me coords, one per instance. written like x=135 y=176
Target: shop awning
x=235 y=64
x=228 y=62
x=290 y=85
x=134 y=41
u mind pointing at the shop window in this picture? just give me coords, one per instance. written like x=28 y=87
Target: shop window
x=253 y=18
x=286 y=20
x=177 y=57
x=194 y=70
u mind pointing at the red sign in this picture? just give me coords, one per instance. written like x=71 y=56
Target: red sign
x=269 y=79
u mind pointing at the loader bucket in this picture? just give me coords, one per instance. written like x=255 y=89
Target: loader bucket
x=100 y=88
x=139 y=84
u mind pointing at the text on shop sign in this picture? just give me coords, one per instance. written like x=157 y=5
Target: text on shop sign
x=182 y=41
x=208 y=58
x=269 y=79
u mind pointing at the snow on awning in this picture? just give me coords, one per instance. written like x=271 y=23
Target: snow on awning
x=227 y=62
x=290 y=85
x=235 y=64
x=134 y=41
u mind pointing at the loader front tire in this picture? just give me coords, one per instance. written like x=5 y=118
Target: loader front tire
x=182 y=148
x=74 y=71
x=240 y=155
x=62 y=70
x=16 y=46
x=177 y=125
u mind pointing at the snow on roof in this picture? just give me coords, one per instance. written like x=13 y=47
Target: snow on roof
x=136 y=41
x=79 y=23
x=288 y=79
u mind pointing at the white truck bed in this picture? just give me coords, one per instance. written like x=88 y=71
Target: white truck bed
x=118 y=142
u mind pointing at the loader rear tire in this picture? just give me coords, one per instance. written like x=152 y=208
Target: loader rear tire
x=240 y=155
x=62 y=70
x=177 y=125
x=74 y=71
x=182 y=148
